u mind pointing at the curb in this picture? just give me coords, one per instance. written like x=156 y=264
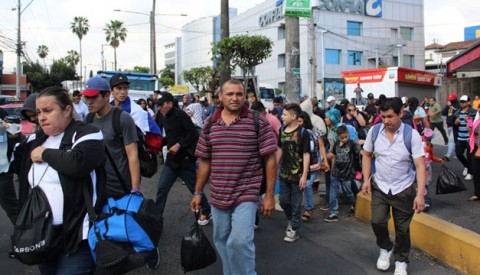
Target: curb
x=445 y=241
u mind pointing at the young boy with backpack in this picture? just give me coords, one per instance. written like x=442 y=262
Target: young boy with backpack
x=344 y=155
x=293 y=143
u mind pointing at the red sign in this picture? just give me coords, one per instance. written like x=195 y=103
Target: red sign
x=364 y=76
x=416 y=77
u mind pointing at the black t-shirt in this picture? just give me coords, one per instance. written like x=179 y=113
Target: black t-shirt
x=344 y=160
x=293 y=145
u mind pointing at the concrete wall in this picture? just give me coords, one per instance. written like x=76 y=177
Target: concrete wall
x=460 y=86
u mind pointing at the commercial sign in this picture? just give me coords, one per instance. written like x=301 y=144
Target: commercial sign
x=404 y=75
x=271 y=16
x=297 y=8
x=416 y=77
x=364 y=7
x=364 y=76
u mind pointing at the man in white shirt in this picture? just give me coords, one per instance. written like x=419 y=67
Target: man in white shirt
x=80 y=106
x=393 y=182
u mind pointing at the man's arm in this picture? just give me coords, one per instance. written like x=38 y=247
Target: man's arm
x=323 y=151
x=204 y=169
x=419 y=202
x=306 y=168
x=366 y=170
x=268 y=203
x=133 y=164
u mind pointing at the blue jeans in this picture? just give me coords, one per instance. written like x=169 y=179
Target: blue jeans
x=233 y=237
x=168 y=177
x=451 y=142
x=291 y=202
x=334 y=188
x=308 y=192
x=81 y=262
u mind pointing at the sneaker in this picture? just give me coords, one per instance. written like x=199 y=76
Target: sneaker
x=289 y=228
x=278 y=207
x=204 y=219
x=331 y=218
x=446 y=158
x=427 y=207
x=352 y=210
x=325 y=208
x=383 y=261
x=257 y=222
x=468 y=177
x=400 y=268
x=291 y=236
x=465 y=171
x=153 y=263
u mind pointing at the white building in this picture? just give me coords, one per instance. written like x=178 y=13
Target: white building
x=356 y=34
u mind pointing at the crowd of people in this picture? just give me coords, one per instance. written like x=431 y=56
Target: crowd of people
x=255 y=160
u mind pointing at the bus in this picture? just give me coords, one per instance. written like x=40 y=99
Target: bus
x=142 y=85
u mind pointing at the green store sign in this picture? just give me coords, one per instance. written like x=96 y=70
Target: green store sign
x=297 y=8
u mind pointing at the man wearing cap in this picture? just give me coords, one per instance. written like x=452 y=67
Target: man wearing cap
x=332 y=104
x=448 y=110
x=207 y=108
x=181 y=140
x=463 y=119
x=370 y=107
x=80 y=106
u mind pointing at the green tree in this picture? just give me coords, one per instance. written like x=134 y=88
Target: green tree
x=42 y=52
x=72 y=58
x=167 y=76
x=80 y=27
x=61 y=70
x=115 y=32
x=199 y=78
x=243 y=51
x=139 y=69
x=37 y=76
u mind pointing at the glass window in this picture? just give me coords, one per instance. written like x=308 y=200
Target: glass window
x=406 y=33
x=332 y=56
x=281 y=32
x=408 y=61
x=281 y=61
x=354 y=28
x=355 y=58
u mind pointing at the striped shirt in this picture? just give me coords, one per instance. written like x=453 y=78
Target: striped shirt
x=234 y=151
x=463 y=127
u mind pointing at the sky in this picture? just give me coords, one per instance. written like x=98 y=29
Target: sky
x=47 y=22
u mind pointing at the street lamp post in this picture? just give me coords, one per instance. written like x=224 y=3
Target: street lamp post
x=151 y=17
x=104 y=63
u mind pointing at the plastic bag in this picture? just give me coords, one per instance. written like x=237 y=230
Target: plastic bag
x=448 y=182
x=196 y=252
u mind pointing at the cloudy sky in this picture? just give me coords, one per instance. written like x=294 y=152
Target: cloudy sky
x=47 y=22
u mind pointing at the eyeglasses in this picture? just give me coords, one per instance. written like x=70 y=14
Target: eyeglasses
x=351 y=110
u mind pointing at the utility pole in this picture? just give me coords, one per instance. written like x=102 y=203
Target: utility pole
x=313 y=58
x=292 y=52
x=19 y=50
x=153 y=58
x=225 y=72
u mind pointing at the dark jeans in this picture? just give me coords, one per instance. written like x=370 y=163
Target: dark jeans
x=439 y=125
x=81 y=262
x=460 y=149
x=8 y=196
x=402 y=210
x=188 y=174
x=291 y=202
x=476 y=174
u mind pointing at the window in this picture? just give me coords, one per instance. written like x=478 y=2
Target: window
x=394 y=34
x=355 y=58
x=406 y=33
x=281 y=60
x=281 y=32
x=332 y=56
x=354 y=28
x=408 y=61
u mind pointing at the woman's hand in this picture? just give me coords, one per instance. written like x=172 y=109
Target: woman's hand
x=36 y=154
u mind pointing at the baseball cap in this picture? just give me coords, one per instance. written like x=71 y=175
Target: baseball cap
x=76 y=92
x=94 y=86
x=464 y=98
x=452 y=97
x=164 y=97
x=370 y=96
x=118 y=79
x=330 y=99
x=203 y=99
x=404 y=99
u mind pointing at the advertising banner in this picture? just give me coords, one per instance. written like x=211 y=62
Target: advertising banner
x=297 y=8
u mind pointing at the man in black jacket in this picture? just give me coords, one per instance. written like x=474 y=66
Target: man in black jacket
x=181 y=139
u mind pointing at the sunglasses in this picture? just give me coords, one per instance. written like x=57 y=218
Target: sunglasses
x=351 y=110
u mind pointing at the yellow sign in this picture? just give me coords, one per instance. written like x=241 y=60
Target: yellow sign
x=179 y=89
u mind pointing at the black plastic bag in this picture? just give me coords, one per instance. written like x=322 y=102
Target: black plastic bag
x=448 y=182
x=196 y=252
x=35 y=239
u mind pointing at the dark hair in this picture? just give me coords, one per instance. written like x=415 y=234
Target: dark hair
x=140 y=101
x=394 y=103
x=258 y=106
x=307 y=122
x=433 y=98
x=60 y=94
x=150 y=102
x=293 y=108
x=341 y=130
x=232 y=81
x=413 y=104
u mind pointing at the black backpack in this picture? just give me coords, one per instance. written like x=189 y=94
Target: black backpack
x=148 y=161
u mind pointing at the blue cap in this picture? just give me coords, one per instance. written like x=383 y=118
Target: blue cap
x=95 y=85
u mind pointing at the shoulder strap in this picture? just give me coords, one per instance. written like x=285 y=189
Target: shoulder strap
x=89 y=118
x=117 y=172
x=407 y=137
x=375 y=132
x=117 y=112
x=209 y=124
x=256 y=122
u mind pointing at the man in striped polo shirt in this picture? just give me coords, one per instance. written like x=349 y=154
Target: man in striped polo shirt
x=461 y=119
x=229 y=153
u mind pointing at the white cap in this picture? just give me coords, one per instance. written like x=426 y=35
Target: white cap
x=203 y=99
x=464 y=98
x=404 y=99
x=330 y=98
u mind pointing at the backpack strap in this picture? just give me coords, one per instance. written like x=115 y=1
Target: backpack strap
x=117 y=112
x=256 y=122
x=407 y=137
x=89 y=117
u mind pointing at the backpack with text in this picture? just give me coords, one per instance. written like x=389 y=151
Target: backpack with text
x=148 y=160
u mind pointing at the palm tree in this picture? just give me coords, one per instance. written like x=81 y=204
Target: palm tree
x=72 y=58
x=42 y=52
x=80 y=27
x=115 y=33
